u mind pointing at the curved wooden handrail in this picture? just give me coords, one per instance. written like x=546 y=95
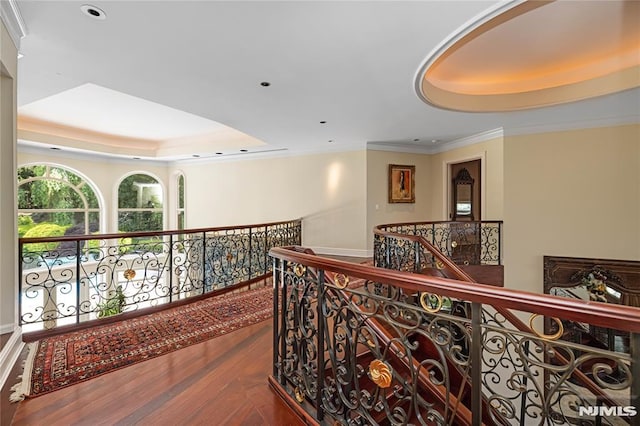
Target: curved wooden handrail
x=623 y=318
x=147 y=233
x=435 y=222
x=444 y=260
x=503 y=310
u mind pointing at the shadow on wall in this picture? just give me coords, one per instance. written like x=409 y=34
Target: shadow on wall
x=340 y=227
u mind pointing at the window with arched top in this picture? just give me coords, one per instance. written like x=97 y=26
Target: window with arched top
x=180 y=211
x=140 y=204
x=55 y=201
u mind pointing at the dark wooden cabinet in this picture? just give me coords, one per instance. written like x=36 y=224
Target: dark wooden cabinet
x=618 y=282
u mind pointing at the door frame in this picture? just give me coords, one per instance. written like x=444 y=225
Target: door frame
x=447 y=178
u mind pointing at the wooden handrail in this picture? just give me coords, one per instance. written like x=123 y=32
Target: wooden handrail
x=436 y=222
x=623 y=318
x=444 y=260
x=512 y=318
x=24 y=240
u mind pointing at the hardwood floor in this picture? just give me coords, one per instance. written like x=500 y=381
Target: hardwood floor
x=222 y=381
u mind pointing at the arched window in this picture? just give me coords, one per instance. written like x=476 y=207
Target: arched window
x=180 y=211
x=55 y=201
x=140 y=204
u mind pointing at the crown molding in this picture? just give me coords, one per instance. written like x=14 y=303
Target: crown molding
x=574 y=125
x=399 y=147
x=269 y=153
x=28 y=147
x=444 y=147
x=12 y=19
x=507 y=131
x=470 y=140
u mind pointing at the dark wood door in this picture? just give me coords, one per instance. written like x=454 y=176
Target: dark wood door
x=466 y=194
x=465 y=207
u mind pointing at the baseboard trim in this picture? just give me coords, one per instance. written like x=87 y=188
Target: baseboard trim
x=6 y=328
x=9 y=355
x=336 y=251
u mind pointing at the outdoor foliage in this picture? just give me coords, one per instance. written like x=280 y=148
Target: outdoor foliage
x=24 y=224
x=66 y=195
x=44 y=230
x=143 y=193
x=113 y=305
x=139 y=191
x=53 y=201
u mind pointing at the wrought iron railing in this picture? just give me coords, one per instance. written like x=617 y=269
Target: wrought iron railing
x=466 y=243
x=71 y=280
x=356 y=345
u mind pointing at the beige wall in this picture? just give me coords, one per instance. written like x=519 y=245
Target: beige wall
x=326 y=190
x=491 y=154
x=105 y=174
x=8 y=228
x=572 y=193
x=379 y=210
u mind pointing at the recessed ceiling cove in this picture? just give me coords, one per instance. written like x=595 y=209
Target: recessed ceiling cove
x=529 y=54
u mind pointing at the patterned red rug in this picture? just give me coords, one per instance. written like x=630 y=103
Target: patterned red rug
x=64 y=360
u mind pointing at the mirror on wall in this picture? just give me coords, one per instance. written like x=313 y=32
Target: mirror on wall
x=463 y=196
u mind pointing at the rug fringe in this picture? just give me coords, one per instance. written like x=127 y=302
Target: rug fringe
x=22 y=389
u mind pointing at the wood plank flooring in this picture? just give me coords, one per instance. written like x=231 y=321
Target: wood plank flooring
x=222 y=381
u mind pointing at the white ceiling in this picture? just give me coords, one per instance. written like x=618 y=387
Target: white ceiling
x=352 y=64
x=111 y=112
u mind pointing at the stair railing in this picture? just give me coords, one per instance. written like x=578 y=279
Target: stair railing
x=394 y=249
x=75 y=281
x=332 y=365
x=467 y=243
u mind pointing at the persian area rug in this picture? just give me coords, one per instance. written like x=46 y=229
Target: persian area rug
x=64 y=360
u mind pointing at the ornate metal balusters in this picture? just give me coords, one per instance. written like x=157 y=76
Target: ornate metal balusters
x=73 y=279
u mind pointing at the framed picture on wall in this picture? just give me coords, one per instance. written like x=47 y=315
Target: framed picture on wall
x=402 y=184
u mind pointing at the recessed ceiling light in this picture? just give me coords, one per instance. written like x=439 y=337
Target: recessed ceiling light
x=265 y=84
x=93 y=12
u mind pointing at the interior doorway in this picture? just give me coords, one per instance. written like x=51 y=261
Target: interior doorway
x=465 y=191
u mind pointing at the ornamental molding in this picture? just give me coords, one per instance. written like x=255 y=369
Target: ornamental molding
x=12 y=20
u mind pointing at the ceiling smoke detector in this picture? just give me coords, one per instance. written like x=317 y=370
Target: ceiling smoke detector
x=93 y=12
